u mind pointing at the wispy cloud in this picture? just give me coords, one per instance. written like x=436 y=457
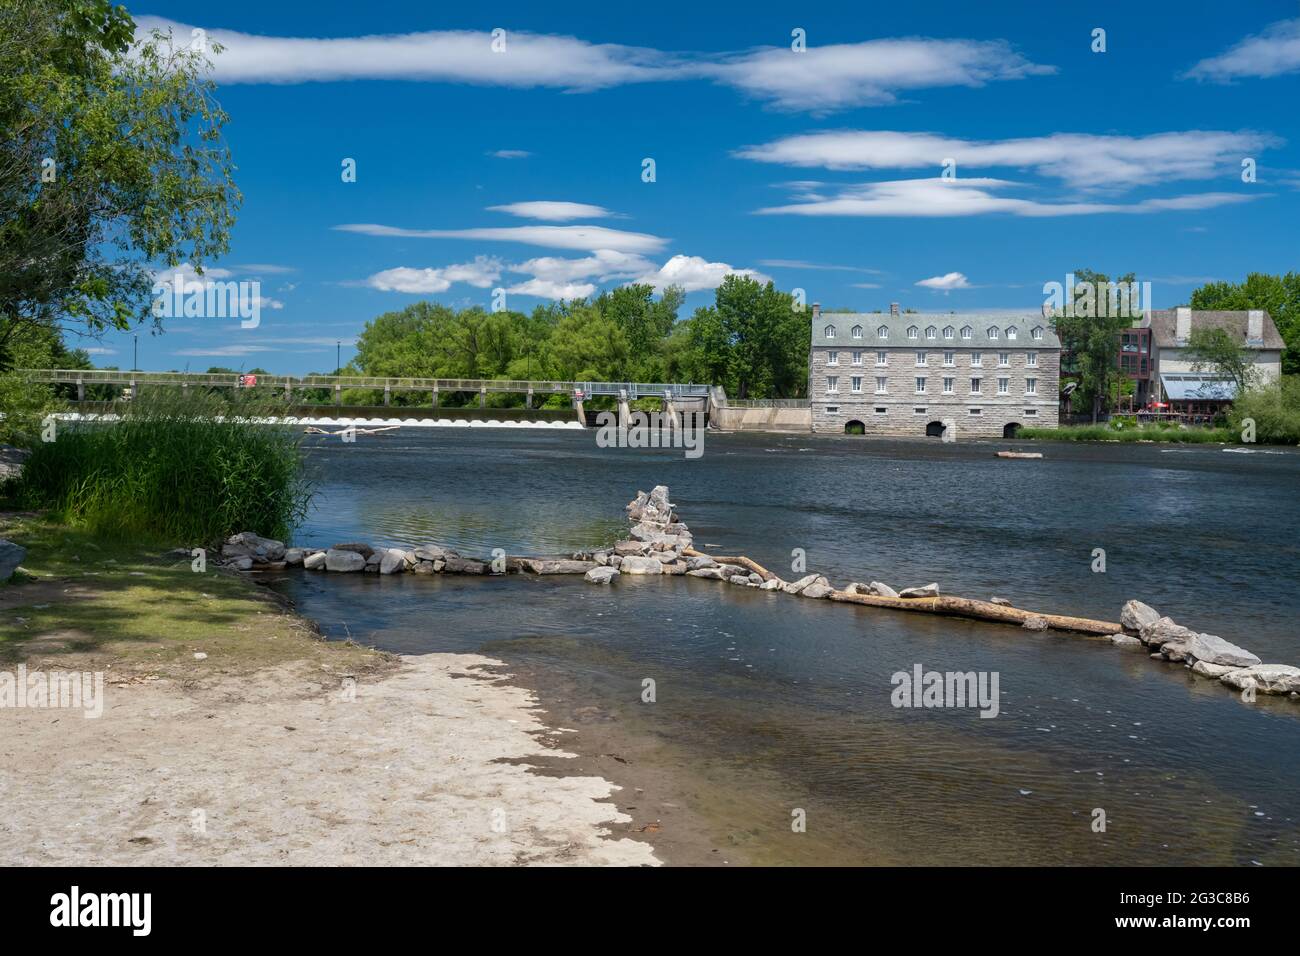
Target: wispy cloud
x=553 y=211
x=481 y=273
x=946 y=282
x=510 y=153
x=1274 y=52
x=814 y=266
x=820 y=78
x=1080 y=160
x=586 y=238
x=971 y=197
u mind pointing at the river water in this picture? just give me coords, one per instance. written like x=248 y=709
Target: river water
x=770 y=709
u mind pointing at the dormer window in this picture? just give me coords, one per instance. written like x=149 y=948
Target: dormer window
x=967 y=331
x=931 y=332
x=1038 y=332
x=913 y=332
x=948 y=332
x=857 y=331
x=830 y=331
x=882 y=332
x=993 y=331
x=1011 y=332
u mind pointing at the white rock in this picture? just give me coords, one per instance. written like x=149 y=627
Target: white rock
x=1124 y=640
x=1215 y=650
x=882 y=590
x=1135 y=615
x=771 y=585
x=1206 y=669
x=344 y=560
x=293 y=556
x=635 y=564
x=794 y=587
x=818 y=589
x=393 y=561
x=315 y=561
x=601 y=575
x=1267 y=678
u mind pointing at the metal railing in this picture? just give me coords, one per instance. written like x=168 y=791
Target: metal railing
x=767 y=403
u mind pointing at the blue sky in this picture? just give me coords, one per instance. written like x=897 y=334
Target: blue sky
x=820 y=169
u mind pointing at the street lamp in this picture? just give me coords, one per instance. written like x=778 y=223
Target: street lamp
x=338 y=358
x=135 y=356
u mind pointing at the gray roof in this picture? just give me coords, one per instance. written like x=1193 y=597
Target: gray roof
x=843 y=323
x=1163 y=323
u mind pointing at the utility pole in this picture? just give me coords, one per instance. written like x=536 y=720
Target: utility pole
x=338 y=358
x=135 y=357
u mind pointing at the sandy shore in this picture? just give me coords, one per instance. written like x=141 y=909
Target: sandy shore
x=428 y=764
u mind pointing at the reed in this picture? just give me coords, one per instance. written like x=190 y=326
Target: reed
x=184 y=466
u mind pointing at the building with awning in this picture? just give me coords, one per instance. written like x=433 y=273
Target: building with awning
x=1197 y=394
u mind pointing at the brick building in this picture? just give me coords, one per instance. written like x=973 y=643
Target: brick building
x=918 y=374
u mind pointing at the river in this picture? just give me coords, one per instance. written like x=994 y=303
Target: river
x=770 y=709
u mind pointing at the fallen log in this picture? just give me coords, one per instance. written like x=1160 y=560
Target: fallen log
x=980 y=611
x=741 y=560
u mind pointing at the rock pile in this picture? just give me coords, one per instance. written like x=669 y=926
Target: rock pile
x=1205 y=654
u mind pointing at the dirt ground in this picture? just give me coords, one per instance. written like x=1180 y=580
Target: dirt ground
x=424 y=765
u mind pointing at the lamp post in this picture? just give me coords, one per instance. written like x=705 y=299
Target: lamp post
x=338 y=358
x=135 y=356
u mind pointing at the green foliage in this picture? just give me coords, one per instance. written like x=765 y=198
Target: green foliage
x=752 y=341
x=1275 y=410
x=111 y=162
x=1146 y=433
x=1278 y=295
x=1090 y=340
x=24 y=404
x=189 y=468
x=1215 y=351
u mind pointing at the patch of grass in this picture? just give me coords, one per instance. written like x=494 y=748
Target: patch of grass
x=109 y=603
x=188 y=468
x=1140 y=434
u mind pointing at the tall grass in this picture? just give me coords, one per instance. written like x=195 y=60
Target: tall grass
x=1275 y=410
x=1144 y=433
x=187 y=468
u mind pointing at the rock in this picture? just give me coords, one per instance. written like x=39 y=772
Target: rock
x=336 y=560
x=601 y=558
x=1162 y=631
x=1214 y=671
x=631 y=547
x=929 y=591
x=1267 y=678
x=11 y=555
x=652 y=509
x=393 y=562
x=313 y=562
x=556 y=566
x=293 y=556
x=248 y=545
x=755 y=577
x=453 y=564
x=373 y=560
x=853 y=587
x=371 y=567
x=1003 y=602
x=242 y=564
x=700 y=561
x=715 y=574
x=794 y=587
x=818 y=589
x=1035 y=624
x=423 y=567
x=12 y=460
x=355 y=546
x=615 y=560
x=771 y=585
x=1135 y=615
x=1215 y=650
x=677 y=567
x=664 y=557
x=635 y=564
x=601 y=575
x=1175 y=651
x=741 y=579
x=1124 y=640
x=882 y=590
x=434 y=552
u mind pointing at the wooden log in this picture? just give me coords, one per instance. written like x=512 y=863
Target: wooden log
x=743 y=561
x=980 y=611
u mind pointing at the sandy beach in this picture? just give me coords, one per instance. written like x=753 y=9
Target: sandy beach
x=428 y=764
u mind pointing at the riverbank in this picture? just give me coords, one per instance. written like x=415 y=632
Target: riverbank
x=1105 y=433
x=231 y=733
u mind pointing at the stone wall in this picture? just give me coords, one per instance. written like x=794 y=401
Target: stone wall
x=900 y=402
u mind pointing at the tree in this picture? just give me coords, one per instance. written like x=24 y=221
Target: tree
x=1088 y=332
x=752 y=340
x=112 y=163
x=1214 y=350
x=1278 y=295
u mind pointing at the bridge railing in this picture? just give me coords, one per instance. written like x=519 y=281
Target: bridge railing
x=378 y=383
x=767 y=403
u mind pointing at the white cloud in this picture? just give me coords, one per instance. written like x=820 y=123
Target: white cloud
x=553 y=211
x=189 y=277
x=603 y=265
x=549 y=289
x=843 y=75
x=449 y=56
x=510 y=153
x=971 y=197
x=1273 y=52
x=481 y=273
x=263 y=268
x=821 y=78
x=266 y=302
x=99 y=350
x=815 y=266
x=586 y=238
x=1081 y=160
x=226 y=350
x=693 y=274
x=945 y=283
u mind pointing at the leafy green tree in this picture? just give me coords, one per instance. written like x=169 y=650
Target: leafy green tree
x=752 y=340
x=1091 y=339
x=112 y=162
x=1215 y=351
x=1279 y=295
